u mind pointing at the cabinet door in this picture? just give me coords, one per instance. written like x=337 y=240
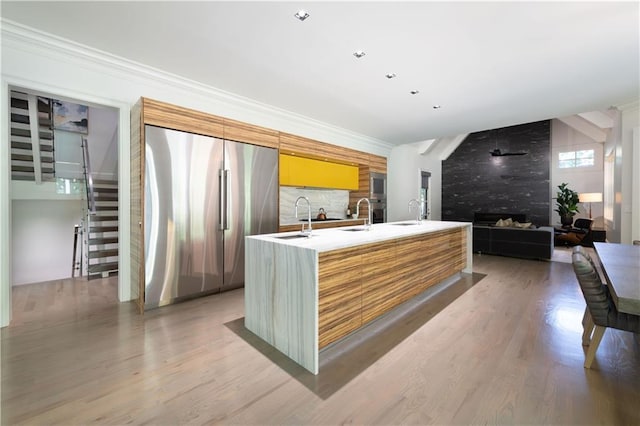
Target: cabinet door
x=339 y=301
x=380 y=285
x=429 y=259
x=411 y=263
x=299 y=171
x=183 y=250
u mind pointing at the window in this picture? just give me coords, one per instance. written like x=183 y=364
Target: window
x=609 y=189
x=584 y=158
x=69 y=186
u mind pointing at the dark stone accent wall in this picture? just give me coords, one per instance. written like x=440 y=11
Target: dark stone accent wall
x=475 y=181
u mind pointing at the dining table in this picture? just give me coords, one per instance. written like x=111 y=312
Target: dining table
x=620 y=265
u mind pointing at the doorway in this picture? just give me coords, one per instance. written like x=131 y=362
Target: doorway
x=425 y=200
x=48 y=197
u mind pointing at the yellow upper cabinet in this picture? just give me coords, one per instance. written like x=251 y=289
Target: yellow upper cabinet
x=300 y=171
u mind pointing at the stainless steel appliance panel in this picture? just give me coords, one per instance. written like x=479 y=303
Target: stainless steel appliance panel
x=183 y=237
x=378 y=197
x=378 y=186
x=252 y=202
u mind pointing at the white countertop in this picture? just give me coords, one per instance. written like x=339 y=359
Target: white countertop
x=337 y=238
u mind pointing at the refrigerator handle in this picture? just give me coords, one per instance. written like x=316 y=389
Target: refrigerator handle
x=227 y=201
x=223 y=199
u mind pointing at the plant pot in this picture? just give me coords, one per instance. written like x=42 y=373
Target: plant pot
x=566 y=220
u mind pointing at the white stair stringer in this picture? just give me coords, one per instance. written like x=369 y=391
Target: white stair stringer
x=32 y=147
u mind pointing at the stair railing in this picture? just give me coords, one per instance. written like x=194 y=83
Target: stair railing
x=77 y=265
x=91 y=202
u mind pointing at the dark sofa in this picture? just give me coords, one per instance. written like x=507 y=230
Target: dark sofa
x=534 y=243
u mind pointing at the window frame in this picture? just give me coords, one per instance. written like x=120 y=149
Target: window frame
x=575 y=158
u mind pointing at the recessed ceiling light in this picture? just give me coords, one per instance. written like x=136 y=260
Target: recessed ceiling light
x=436 y=107
x=359 y=53
x=390 y=75
x=415 y=92
x=301 y=15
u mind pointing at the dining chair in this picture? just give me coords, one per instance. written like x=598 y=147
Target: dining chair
x=601 y=311
x=585 y=317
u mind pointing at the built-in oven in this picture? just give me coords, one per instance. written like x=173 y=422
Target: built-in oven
x=378 y=211
x=378 y=197
x=378 y=186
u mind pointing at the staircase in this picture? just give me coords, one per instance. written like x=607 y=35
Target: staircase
x=32 y=153
x=103 y=229
x=32 y=159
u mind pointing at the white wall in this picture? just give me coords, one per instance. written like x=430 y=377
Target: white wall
x=403 y=181
x=102 y=142
x=630 y=187
x=621 y=189
x=42 y=239
x=57 y=68
x=635 y=186
x=583 y=179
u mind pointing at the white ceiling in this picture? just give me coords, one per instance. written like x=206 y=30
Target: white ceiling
x=488 y=64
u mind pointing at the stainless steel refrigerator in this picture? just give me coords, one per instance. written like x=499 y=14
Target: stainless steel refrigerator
x=203 y=195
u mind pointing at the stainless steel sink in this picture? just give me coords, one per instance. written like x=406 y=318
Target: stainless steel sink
x=354 y=229
x=404 y=224
x=292 y=237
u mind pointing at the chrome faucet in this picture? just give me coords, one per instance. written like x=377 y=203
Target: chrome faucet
x=368 y=220
x=418 y=209
x=306 y=232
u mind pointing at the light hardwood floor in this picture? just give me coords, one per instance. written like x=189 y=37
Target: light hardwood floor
x=506 y=350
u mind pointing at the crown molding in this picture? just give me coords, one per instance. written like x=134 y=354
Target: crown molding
x=49 y=45
x=635 y=104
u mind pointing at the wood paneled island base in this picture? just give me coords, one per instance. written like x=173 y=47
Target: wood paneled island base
x=302 y=294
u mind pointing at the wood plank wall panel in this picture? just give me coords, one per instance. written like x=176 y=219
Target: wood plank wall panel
x=174 y=117
x=291 y=144
x=136 y=210
x=248 y=133
x=362 y=192
x=339 y=298
x=377 y=163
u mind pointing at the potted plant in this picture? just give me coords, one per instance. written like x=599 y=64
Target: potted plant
x=567 y=203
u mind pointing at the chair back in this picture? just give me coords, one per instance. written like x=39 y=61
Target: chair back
x=583 y=223
x=595 y=294
x=583 y=251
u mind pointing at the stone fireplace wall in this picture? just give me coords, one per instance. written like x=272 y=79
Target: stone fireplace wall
x=475 y=181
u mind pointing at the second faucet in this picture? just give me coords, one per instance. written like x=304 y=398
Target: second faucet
x=418 y=209
x=306 y=232
x=368 y=222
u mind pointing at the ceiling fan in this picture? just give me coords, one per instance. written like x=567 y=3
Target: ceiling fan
x=498 y=153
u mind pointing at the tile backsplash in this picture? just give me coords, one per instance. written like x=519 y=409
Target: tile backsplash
x=333 y=201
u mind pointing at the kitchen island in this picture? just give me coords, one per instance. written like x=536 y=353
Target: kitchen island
x=302 y=294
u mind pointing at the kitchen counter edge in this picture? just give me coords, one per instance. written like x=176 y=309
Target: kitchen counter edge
x=350 y=236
